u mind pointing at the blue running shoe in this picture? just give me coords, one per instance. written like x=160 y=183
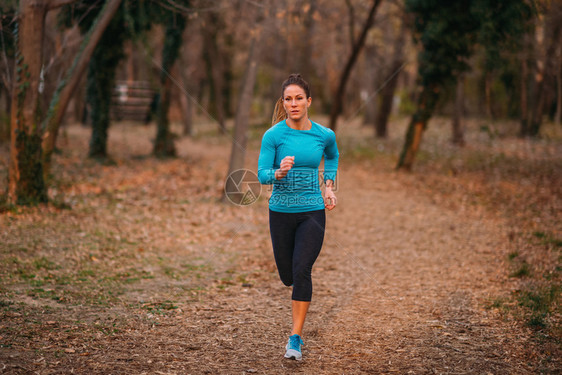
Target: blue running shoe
x=294 y=348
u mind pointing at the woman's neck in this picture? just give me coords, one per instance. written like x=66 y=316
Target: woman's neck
x=303 y=124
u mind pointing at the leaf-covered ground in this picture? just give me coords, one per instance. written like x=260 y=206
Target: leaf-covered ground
x=137 y=267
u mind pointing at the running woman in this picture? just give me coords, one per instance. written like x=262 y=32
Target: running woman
x=291 y=151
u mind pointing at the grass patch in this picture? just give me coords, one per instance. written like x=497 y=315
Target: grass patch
x=497 y=303
x=25 y=274
x=4 y=304
x=524 y=270
x=44 y=293
x=129 y=276
x=58 y=202
x=44 y=263
x=511 y=256
x=537 y=321
x=196 y=267
x=160 y=308
x=84 y=275
x=548 y=239
x=171 y=272
x=539 y=303
x=7 y=207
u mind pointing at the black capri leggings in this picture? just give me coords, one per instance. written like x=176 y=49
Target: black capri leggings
x=297 y=239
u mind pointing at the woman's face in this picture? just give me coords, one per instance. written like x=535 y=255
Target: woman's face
x=296 y=103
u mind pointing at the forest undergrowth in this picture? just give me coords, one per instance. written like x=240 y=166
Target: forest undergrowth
x=141 y=244
x=518 y=180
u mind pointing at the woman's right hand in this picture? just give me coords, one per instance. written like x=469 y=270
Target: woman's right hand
x=286 y=165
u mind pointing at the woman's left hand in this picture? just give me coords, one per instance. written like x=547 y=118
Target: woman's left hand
x=330 y=200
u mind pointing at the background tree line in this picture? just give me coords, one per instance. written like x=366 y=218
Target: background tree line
x=226 y=59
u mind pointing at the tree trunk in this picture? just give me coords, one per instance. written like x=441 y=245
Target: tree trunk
x=186 y=114
x=99 y=97
x=524 y=93
x=337 y=103
x=5 y=119
x=426 y=105
x=131 y=66
x=385 y=107
x=558 y=115
x=488 y=93
x=227 y=76
x=25 y=177
x=6 y=80
x=546 y=74
x=215 y=70
x=240 y=138
x=372 y=73
x=79 y=103
x=458 y=115
x=305 y=62
x=164 y=143
x=100 y=82
x=67 y=87
x=185 y=100
x=351 y=21
x=387 y=94
x=413 y=140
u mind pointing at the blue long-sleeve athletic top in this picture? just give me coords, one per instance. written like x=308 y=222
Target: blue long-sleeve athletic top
x=299 y=191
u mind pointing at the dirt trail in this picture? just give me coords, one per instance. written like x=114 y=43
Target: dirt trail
x=400 y=287
x=422 y=274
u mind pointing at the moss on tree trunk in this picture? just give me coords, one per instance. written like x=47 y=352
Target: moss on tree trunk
x=25 y=177
x=30 y=187
x=100 y=81
x=426 y=105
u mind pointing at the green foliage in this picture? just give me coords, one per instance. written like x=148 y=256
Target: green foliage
x=134 y=16
x=130 y=21
x=502 y=23
x=175 y=25
x=448 y=31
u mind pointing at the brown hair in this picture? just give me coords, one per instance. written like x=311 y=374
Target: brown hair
x=279 y=113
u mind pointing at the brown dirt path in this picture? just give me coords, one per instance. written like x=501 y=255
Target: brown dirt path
x=400 y=287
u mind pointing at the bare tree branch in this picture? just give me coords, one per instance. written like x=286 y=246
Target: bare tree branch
x=351 y=21
x=356 y=49
x=53 y=4
x=66 y=88
x=175 y=7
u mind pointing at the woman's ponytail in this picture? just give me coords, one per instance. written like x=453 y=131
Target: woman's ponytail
x=279 y=113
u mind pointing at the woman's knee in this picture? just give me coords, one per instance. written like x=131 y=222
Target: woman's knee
x=286 y=279
x=302 y=275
